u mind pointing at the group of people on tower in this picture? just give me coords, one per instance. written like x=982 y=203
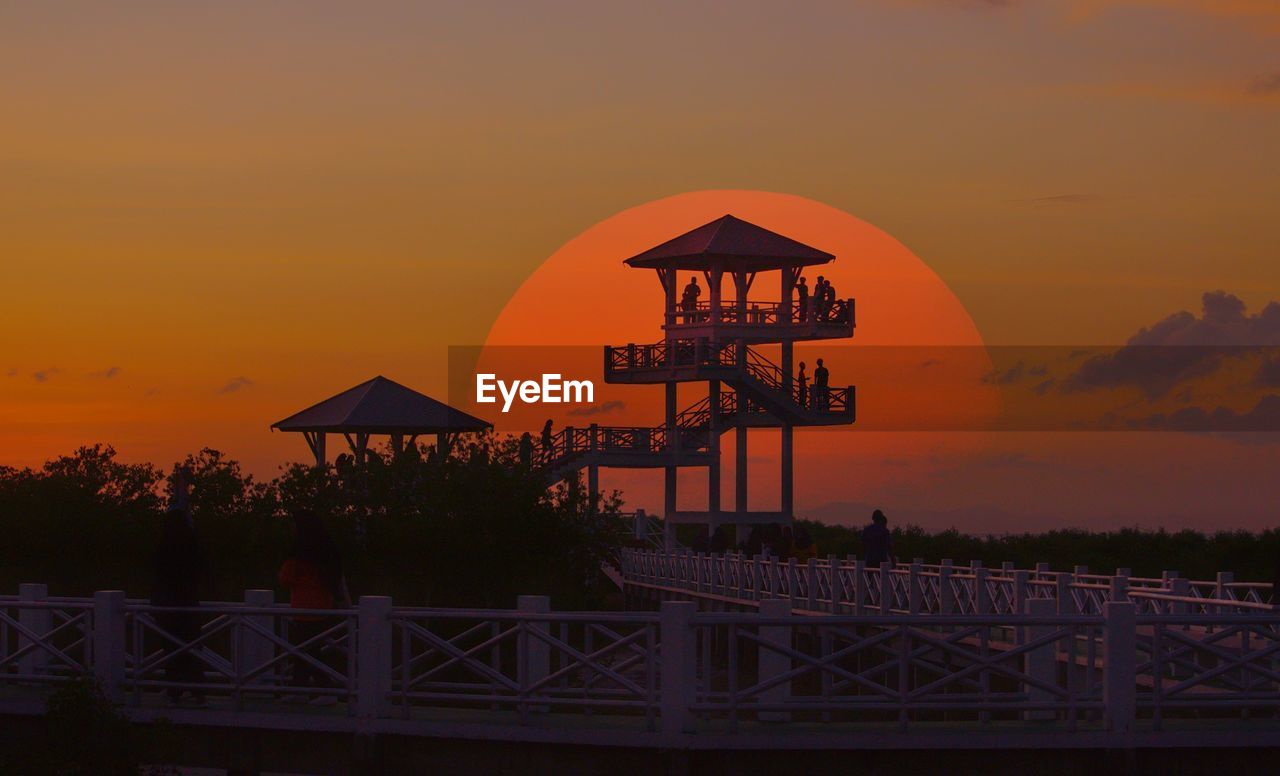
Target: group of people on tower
x=817 y=306
x=822 y=301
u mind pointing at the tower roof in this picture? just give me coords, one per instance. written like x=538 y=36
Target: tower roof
x=732 y=243
x=381 y=406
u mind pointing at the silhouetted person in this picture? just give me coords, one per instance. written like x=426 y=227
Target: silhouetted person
x=802 y=385
x=820 y=387
x=786 y=543
x=828 y=300
x=548 y=441
x=802 y=298
x=819 y=298
x=877 y=541
x=754 y=544
x=689 y=300
x=526 y=450
x=313 y=575
x=179 y=572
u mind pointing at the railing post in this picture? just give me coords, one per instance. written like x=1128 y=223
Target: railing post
x=679 y=665
x=1019 y=594
x=373 y=655
x=1221 y=589
x=793 y=581
x=886 y=587
x=772 y=663
x=946 y=593
x=814 y=586
x=641 y=526
x=533 y=653
x=859 y=586
x=1042 y=570
x=1119 y=590
x=1040 y=663
x=757 y=579
x=981 y=595
x=36 y=621
x=837 y=589
x=913 y=587
x=256 y=650
x=1062 y=592
x=1119 y=655
x=108 y=642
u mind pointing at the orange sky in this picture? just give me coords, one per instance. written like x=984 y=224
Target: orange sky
x=213 y=215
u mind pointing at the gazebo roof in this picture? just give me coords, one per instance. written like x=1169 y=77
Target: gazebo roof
x=381 y=406
x=732 y=243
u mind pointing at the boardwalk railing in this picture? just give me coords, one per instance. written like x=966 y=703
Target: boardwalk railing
x=833 y=586
x=908 y=660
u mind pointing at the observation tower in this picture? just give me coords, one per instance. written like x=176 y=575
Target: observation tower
x=720 y=340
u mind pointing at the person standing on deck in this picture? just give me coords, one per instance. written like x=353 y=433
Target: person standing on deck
x=820 y=382
x=877 y=541
x=802 y=298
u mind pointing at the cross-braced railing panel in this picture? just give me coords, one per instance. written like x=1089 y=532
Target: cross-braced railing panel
x=525 y=662
x=897 y=668
x=44 y=641
x=241 y=651
x=1208 y=665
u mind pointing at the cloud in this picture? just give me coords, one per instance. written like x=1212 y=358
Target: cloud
x=598 y=409
x=12 y=372
x=1060 y=199
x=236 y=384
x=106 y=374
x=1266 y=85
x=1269 y=374
x=44 y=375
x=1042 y=387
x=1181 y=347
x=1265 y=416
x=1015 y=373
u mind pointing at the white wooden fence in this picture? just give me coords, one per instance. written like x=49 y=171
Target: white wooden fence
x=1103 y=667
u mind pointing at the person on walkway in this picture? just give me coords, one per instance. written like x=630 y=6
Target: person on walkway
x=802 y=298
x=526 y=451
x=820 y=387
x=828 y=300
x=179 y=573
x=802 y=385
x=689 y=300
x=548 y=442
x=314 y=578
x=877 y=541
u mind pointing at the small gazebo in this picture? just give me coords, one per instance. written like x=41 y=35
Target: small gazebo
x=379 y=407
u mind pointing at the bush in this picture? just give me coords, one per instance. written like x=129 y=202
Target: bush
x=474 y=528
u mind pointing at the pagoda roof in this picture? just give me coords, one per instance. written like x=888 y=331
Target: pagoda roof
x=733 y=244
x=381 y=406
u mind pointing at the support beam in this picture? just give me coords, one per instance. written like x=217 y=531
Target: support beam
x=740 y=466
x=673 y=443
x=713 y=470
x=788 y=472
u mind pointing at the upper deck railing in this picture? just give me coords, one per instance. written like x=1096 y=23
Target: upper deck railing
x=840 y=313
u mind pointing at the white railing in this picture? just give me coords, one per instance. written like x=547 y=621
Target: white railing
x=832 y=586
x=913 y=658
